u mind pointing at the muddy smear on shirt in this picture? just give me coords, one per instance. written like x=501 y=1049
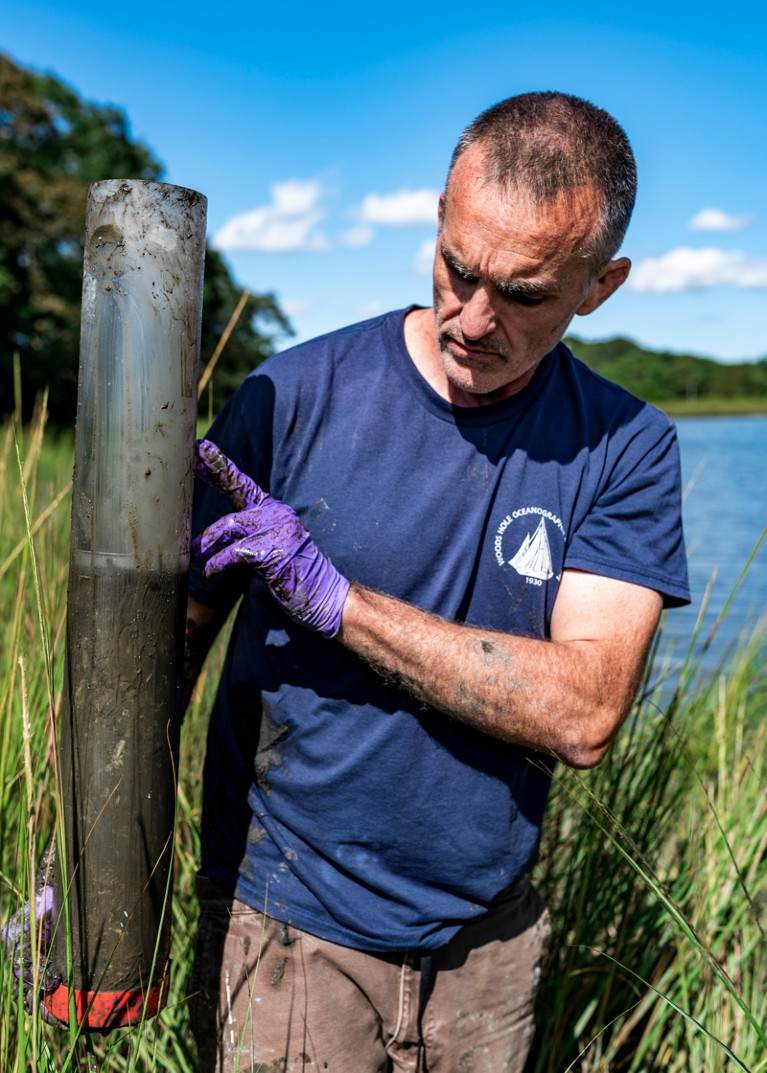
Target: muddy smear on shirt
x=267 y=754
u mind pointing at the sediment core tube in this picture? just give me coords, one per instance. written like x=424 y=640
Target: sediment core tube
x=129 y=560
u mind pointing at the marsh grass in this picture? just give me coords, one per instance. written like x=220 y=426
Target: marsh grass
x=653 y=864
x=35 y=477
x=655 y=868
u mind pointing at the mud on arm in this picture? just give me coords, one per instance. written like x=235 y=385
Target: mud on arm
x=566 y=696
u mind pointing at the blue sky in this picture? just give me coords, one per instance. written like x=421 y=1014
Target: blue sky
x=320 y=135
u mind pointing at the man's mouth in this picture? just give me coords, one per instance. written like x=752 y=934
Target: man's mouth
x=476 y=352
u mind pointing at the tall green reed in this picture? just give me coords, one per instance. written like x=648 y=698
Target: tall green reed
x=655 y=868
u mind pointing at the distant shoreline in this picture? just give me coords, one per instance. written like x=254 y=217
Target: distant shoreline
x=682 y=385
x=713 y=407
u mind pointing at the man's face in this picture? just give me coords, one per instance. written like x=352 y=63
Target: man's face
x=508 y=278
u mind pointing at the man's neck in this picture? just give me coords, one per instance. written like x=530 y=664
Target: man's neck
x=421 y=343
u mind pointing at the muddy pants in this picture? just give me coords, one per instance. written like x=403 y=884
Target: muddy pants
x=268 y=998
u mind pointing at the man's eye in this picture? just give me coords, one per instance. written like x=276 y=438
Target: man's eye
x=521 y=299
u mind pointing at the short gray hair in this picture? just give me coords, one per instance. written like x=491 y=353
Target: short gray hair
x=550 y=143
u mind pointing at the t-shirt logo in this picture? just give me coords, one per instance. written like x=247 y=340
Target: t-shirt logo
x=534 y=555
x=527 y=547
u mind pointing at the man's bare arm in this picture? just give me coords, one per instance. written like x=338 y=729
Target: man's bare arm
x=566 y=697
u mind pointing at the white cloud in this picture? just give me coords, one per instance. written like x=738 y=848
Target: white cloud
x=716 y=220
x=296 y=307
x=424 y=257
x=370 y=309
x=686 y=269
x=287 y=223
x=357 y=236
x=400 y=209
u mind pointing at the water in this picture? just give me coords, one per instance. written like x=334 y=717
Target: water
x=725 y=510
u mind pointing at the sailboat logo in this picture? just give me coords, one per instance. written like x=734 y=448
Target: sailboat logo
x=539 y=556
x=533 y=559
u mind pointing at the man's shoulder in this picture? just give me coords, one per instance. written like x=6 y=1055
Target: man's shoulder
x=607 y=400
x=347 y=365
x=376 y=330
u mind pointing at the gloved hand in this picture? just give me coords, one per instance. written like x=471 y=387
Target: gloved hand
x=32 y=967
x=267 y=535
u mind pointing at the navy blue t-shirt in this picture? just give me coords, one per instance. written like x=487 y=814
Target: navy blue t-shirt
x=332 y=799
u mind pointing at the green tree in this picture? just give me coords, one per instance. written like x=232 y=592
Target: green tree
x=663 y=377
x=52 y=146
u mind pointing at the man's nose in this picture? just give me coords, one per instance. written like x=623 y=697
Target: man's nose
x=477 y=316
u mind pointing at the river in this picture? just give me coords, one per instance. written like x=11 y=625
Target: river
x=724 y=470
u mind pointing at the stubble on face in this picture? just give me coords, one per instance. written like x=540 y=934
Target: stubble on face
x=471 y=367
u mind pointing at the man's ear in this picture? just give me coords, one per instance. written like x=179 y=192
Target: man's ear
x=441 y=210
x=612 y=276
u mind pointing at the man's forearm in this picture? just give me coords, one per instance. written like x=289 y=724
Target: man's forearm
x=558 y=697
x=567 y=696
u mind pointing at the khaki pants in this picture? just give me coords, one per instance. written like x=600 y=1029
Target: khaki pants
x=268 y=998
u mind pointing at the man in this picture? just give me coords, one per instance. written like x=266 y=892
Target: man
x=494 y=531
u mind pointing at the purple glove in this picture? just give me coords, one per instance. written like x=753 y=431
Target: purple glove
x=267 y=535
x=18 y=938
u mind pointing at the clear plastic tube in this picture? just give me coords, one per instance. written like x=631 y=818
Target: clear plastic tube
x=129 y=559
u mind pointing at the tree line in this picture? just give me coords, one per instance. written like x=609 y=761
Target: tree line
x=663 y=377
x=53 y=145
